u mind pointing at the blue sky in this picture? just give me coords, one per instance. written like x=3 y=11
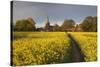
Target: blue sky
x=56 y=12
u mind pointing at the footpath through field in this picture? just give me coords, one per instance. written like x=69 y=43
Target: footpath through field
x=77 y=56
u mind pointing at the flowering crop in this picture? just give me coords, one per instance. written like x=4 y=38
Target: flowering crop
x=88 y=44
x=31 y=48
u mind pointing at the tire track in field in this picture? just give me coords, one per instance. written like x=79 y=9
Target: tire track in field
x=77 y=56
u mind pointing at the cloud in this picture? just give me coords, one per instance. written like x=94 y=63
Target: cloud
x=56 y=12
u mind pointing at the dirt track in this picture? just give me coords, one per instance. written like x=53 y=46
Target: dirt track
x=77 y=56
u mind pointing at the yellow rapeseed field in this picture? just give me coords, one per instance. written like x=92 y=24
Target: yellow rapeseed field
x=88 y=44
x=30 y=48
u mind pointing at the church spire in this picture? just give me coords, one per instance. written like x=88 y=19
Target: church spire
x=47 y=19
x=47 y=24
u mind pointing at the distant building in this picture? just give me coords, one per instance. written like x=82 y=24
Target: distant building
x=77 y=28
x=40 y=29
x=47 y=26
x=50 y=28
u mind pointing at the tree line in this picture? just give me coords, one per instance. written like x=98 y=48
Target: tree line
x=89 y=24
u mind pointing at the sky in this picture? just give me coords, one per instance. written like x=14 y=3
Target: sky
x=56 y=12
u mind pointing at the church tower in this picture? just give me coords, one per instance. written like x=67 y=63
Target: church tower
x=47 y=24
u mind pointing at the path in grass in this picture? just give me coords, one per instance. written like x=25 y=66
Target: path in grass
x=77 y=56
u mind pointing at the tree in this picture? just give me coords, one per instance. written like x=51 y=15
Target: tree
x=89 y=24
x=25 y=25
x=94 y=24
x=56 y=27
x=67 y=24
x=32 y=23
